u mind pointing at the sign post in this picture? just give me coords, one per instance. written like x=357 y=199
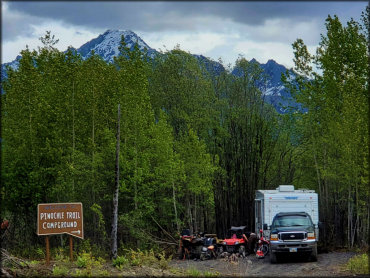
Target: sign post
x=47 y=250
x=71 y=248
x=60 y=218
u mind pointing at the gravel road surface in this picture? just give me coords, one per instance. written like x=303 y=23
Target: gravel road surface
x=328 y=264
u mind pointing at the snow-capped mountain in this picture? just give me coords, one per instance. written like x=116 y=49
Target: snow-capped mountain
x=106 y=45
x=14 y=65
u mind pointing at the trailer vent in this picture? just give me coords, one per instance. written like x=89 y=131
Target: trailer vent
x=285 y=188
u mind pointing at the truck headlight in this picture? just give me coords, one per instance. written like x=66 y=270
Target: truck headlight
x=274 y=237
x=224 y=243
x=236 y=242
x=310 y=235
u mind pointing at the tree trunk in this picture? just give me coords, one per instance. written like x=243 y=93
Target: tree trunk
x=116 y=192
x=174 y=206
x=73 y=135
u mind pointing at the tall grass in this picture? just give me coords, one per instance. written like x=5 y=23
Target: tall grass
x=359 y=264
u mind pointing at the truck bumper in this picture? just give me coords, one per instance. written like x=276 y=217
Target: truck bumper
x=292 y=246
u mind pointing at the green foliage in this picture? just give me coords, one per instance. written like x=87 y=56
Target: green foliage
x=40 y=253
x=82 y=260
x=60 y=271
x=359 y=264
x=332 y=155
x=141 y=258
x=88 y=261
x=60 y=255
x=84 y=246
x=120 y=262
x=34 y=263
x=193 y=272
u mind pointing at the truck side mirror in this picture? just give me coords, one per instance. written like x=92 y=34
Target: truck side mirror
x=265 y=226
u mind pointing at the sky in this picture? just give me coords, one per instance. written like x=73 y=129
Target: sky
x=222 y=29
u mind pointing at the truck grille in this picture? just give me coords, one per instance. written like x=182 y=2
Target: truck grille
x=292 y=236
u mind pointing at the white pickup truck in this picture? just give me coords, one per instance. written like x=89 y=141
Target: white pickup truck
x=289 y=219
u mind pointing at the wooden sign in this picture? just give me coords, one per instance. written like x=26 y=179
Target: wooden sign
x=60 y=218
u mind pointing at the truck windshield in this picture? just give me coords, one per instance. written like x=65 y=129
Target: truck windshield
x=291 y=220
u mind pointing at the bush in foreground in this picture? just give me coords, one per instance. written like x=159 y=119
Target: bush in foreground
x=359 y=264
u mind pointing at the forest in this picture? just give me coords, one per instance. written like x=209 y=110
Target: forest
x=193 y=145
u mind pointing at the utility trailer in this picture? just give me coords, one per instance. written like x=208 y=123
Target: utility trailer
x=289 y=218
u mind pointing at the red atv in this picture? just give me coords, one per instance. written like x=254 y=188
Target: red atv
x=239 y=241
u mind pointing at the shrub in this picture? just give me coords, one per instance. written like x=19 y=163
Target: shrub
x=193 y=272
x=141 y=258
x=60 y=255
x=359 y=264
x=163 y=262
x=34 y=262
x=120 y=262
x=40 y=253
x=87 y=260
x=83 y=260
x=84 y=246
x=60 y=271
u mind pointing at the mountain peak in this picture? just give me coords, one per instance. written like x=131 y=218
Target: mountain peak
x=119 y=32
x=106 y=45
x=271 y=62
x=253 y=61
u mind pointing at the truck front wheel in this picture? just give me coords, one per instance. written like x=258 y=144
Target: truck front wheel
x=313 y=257
x=273 y=258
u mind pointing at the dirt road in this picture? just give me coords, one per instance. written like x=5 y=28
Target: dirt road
x=328 y=264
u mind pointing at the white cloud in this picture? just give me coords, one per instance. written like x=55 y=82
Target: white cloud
x=262 y=52
x=67 y=35
x=209 y=35
x=287 y=31
x=196 y=43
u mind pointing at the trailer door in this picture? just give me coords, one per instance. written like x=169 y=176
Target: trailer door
x=258 y=215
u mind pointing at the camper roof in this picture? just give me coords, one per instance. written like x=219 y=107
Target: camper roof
x=302 y=213
x=237 y=228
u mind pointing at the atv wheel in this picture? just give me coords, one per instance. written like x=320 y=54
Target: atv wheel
x=265 y=249
x=220 y=250
x=202 y=257
x=242 y=251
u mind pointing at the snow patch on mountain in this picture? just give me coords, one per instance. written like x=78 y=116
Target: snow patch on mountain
x=13 y=65
x=106 y=45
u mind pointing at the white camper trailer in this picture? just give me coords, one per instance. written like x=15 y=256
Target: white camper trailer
x=292 y=205
x=284 y=199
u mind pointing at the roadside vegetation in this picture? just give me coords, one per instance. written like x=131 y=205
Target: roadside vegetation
x=359 y=264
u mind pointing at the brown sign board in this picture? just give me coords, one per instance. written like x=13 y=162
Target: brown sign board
x=60 y=218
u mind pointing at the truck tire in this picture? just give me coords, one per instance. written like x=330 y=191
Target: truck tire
x=313 y=257
x=273 y=258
